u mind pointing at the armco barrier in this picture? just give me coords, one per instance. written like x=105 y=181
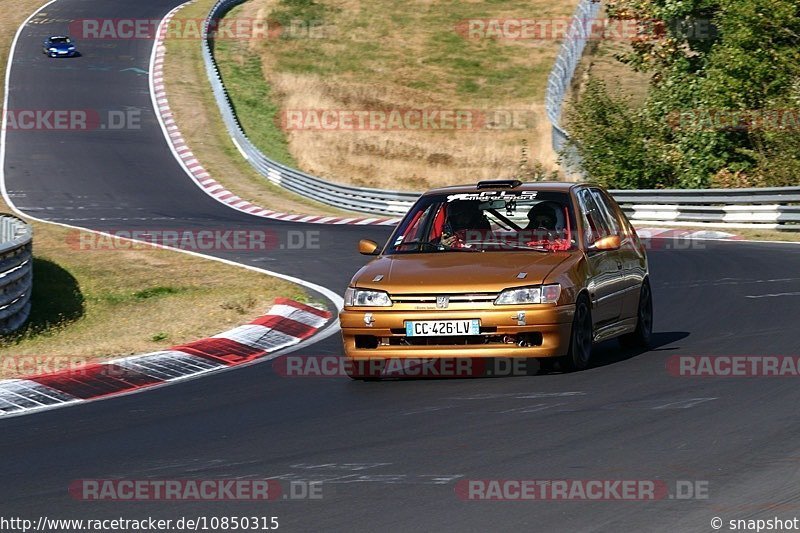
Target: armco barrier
x=564 y=68
x=713 y=207
x=344 y=197
x=16 y=272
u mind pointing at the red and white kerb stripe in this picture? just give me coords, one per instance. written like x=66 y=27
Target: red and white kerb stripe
x=201 y=176
x=285 y=324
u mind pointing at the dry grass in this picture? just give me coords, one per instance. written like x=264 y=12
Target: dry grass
x=96 y=304
x=402 y=159
x=196 y=113
x=381 y=55
x=123 y=301
x=600 y=62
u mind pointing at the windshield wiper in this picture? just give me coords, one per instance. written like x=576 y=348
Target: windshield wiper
x=501 y=244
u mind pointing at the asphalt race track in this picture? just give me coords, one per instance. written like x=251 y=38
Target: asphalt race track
x=390 y=453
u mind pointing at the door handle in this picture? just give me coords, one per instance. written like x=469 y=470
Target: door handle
x=619 y=265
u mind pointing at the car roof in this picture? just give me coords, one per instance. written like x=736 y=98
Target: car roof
x=552 y=186
x=58 y=37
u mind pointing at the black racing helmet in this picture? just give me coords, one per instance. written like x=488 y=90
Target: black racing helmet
x=544 y=215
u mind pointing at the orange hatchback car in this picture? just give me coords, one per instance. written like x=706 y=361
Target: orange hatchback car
x=501 y=269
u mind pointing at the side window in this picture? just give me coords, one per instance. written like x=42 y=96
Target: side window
x=607 y=210
x=596 y=225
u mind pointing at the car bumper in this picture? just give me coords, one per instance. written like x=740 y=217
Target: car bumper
x=545 y=333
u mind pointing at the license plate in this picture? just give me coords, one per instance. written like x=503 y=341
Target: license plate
x=442 y=328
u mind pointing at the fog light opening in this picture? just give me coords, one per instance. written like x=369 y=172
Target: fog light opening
x=369 y=342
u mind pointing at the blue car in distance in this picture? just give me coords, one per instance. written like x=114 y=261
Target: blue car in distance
x=59 y=46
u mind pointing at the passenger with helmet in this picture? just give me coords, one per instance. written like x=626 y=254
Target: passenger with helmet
x=546 y=226
x=544 y=216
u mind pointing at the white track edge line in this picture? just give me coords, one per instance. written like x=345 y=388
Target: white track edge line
x=321 y=334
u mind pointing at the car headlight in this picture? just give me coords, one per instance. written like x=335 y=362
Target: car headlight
x=366 y=298
x=53 y=49
x=540 y=294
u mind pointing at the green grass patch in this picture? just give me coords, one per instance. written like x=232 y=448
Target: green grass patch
x=386 y=44
x=291 y=12
x=252 y=99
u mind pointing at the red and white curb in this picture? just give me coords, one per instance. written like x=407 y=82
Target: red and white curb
x=286 y=323
x=195 y=169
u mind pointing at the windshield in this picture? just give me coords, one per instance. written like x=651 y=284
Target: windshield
x=59 y=40
x=487 y=221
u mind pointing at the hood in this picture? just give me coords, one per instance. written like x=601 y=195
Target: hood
x=61 y=46
x=455 y=272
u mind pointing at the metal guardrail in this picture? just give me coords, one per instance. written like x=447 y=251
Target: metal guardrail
x=344 y=197
x=716 y=207
x=564 y=68
x=16 y=272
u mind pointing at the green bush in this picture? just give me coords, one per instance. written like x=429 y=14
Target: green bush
x=709 y=60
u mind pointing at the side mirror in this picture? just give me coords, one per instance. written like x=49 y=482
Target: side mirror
x=367 y=247
x=612 y=242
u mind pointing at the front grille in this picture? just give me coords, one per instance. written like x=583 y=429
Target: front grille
x=528 y=339
x=371 y=342
x=480 y=297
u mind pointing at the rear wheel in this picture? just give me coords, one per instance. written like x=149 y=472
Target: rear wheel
x=580 y=344
x=641 y=336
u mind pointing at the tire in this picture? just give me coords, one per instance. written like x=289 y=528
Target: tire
x=642 y=335
x=546 y=364
x=579 y=354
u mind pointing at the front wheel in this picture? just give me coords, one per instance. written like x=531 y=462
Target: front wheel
x=581 y=338
x=642 y=335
